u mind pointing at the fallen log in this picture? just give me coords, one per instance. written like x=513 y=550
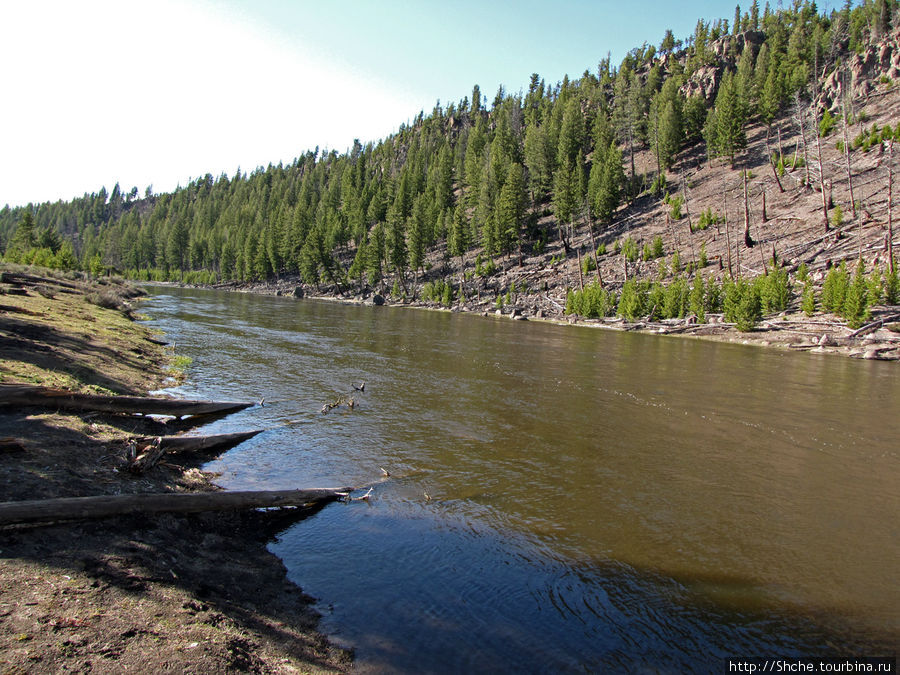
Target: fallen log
x=78 y=508
x=172 y=444
x=146 y=452
x=57 y=399
x=875 y=325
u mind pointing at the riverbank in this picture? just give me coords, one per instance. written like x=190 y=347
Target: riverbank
x=184 y=593
x=877 y=339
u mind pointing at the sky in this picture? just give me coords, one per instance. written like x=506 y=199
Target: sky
x=159 y=92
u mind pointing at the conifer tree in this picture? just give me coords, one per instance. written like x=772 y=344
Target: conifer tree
x=605 y=185
x=511 y=209
x=730 y=119
x=23 y=240
x=565 y=186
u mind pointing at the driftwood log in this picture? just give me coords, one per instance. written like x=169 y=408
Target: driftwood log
x=104 y=506
x=172 y=444
x=57 y=399
x=146 y=452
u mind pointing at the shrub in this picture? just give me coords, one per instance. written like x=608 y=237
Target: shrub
x=676 y=263
x=447 y=295
x=808 y=304
x=630 y=249
x=713 y=296
x=438 y=291
x=775 y=290
x=662 y=269
x=657 y=250
x=892 y=288
x=654 y=304
x=834 y=290
x=703 y=262
x=106 y=298
x=837 y=216
x=856 y=305
x=677 y=299
x=659 y=184
x=675 y=204
x=484 y=269
x=708 y=218
x=588 y=264
x=594 y=302
x=875 y=287
x=742 y=304
x=631 y=302
x=826 y=124
x=697 y=300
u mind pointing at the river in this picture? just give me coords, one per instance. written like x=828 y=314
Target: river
x=561 y=498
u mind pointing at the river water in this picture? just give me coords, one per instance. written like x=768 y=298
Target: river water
x=561 y=498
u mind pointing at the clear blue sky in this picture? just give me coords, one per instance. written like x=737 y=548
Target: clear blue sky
x=156 y=92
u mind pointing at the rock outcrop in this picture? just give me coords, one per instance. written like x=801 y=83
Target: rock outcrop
x=862 y=73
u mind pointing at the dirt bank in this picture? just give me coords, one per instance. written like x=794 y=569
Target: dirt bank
x=170 y=593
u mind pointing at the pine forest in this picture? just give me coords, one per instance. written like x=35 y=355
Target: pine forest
x=744 y=169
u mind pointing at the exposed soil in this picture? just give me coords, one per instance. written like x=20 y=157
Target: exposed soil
x=167 y=593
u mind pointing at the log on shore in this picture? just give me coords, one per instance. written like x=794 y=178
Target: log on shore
x=57 y=399
x=77 y=508
x=147 y=451
x=173 y=444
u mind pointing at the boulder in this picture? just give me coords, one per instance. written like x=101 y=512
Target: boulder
x=378 y=300
x=298 y=292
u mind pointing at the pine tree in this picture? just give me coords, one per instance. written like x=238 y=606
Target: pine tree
x=730 y=119
x=605 y=184
x=23 y=240
x=565 y=186
x=399 y=255
x=511 y=209
x=416 y=235
x=539 y=158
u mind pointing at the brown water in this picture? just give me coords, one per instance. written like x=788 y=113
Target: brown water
x=595 y=500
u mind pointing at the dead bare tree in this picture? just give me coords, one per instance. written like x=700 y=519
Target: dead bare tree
x=687 y=211
x=890 y=218
x=727 y=235
x=799 y=114
x=748 y=240
x=815 y=112
x=847 y=151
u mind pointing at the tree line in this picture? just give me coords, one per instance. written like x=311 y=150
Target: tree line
x=469 y=175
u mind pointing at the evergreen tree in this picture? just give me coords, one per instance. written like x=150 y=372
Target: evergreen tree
x=605 y=185
x=23 y=240
x=539 y=158
x=416 y=235
x=565 y=199
x=511 y=209
x=177 y=245
x=730 y=119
